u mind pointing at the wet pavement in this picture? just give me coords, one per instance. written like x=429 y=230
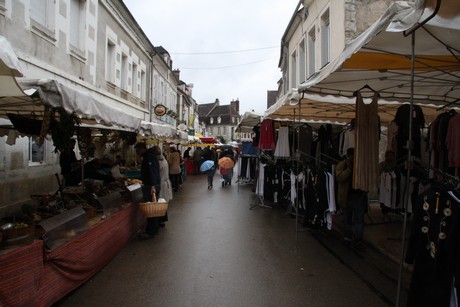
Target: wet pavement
x=215 y=251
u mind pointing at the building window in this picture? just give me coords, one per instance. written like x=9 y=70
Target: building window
x=294 y=69
x=302 y=62
x=134 y=80
x=219 y=131
x=143 y=85
x=233 y=120
x=40 y=12
x=325 y=38
x=156 y=88
x=124 y=72
x=77 y=23
x=219 y=119
x=110 y=62
x=36 y=152
x=162 y=92
x=211 y=120
x=311 y=52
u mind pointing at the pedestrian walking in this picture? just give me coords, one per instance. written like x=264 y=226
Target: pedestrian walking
x=174 y=167
x=166 y=187
x=208 y=167
x=150 y=175
x=197 y=159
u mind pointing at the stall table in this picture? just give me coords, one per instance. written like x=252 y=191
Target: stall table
x=32 y=276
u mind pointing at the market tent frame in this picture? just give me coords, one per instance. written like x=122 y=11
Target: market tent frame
x=10 y=91
x=248 y=121
x=91 y=107
x=162 y=131
x=410 y=55
x=380 y=60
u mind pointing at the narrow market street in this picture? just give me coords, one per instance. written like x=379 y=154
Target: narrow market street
x=215 y=251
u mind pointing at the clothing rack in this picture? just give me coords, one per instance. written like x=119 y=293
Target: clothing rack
x=450 y=181
x=258 y=199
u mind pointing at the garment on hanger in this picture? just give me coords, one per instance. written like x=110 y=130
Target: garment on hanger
x=453 y=141
x=267 y=135
x=348 y=137
x=316 y=199
x=402 y=120
x=282 y=144
x=392 y=131
x=332 y=207
x=260 y=180
x=434 y=248
x=388 y=189
x=305 y=139
x=366 y=158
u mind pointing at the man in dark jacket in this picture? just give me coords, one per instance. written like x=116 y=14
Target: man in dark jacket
x=150 y=175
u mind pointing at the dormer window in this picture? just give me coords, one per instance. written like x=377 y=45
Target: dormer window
x=211 y=120
x=233 y=120
x=218 y=120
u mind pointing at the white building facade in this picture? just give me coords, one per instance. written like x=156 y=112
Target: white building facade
x=92 y=46
x=318 y=32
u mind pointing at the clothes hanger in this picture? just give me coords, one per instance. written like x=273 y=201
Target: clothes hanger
x=355 y=93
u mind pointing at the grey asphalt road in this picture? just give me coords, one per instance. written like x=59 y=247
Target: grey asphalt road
x=214 y=251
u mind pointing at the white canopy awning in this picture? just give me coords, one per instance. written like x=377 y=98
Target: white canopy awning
x=248 y=121
x=88 y=105
x=9 y=69
x=162 y=131
x=380 y=58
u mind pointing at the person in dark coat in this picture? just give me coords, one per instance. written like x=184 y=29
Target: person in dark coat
x=68 y=162
x=150 y=175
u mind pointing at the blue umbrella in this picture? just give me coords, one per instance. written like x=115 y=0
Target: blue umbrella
x=206 y=165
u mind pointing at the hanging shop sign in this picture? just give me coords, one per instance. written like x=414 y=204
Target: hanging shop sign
x=159 y=110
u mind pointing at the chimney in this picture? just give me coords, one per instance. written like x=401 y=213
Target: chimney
x=235 y=105
x=176 y=73
x=217 y=102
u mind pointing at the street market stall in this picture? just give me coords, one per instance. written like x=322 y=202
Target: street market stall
x=410 y=56
x=52 y=243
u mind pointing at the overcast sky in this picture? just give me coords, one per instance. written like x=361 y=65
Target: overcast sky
x=208 y=42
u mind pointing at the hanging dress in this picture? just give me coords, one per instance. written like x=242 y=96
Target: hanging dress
x=267 y=135
x=366 y=160
x=282 y=144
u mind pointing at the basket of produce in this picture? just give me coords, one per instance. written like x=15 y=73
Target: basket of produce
x=153 y=208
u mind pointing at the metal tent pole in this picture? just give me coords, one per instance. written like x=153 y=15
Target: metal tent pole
x=409 y=165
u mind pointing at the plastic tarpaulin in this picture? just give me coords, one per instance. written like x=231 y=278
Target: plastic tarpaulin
x=248 y=121
x=162 y=131
x=90 y=106
x=381 y=59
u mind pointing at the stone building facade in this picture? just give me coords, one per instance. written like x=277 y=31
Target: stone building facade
x=92 y=46
x=318 y=32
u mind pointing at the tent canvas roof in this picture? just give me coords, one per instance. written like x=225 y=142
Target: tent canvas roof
x=248 y=121
x=381 y=59
x=91 y=107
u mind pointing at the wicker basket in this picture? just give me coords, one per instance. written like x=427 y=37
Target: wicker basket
x=153 y=208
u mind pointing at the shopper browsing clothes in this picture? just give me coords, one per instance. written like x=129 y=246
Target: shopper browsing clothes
x=352 y=200
x=150 y=175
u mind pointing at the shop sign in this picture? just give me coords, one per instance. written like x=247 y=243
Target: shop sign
x=159 y=110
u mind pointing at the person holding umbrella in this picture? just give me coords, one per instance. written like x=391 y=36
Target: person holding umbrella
x=209 y=168
x=226 y=164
